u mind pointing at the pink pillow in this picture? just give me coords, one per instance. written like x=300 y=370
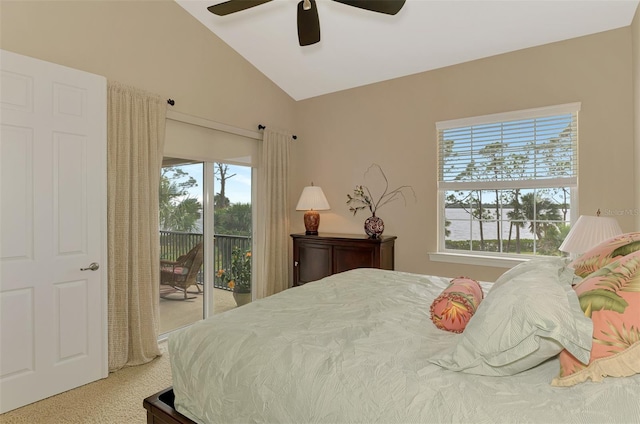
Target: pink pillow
x=179 y=270
x=611 y=297
x=454 y=307
x=605 y=253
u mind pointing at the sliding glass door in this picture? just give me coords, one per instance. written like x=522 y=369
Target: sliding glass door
x=232 y=234
x=205 y=237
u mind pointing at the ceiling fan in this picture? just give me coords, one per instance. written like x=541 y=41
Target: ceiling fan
x=308 y=22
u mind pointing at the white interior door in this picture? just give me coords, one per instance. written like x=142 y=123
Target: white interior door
x=53 y=333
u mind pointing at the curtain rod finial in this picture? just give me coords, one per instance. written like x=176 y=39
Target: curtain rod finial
x=262 y=127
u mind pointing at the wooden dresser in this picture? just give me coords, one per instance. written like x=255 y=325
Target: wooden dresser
x=318 y=256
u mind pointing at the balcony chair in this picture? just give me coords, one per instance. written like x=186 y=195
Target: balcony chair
x=181 y=273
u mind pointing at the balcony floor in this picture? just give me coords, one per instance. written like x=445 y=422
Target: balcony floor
x=179 y=313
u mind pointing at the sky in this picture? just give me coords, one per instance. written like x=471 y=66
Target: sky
x=238 y=188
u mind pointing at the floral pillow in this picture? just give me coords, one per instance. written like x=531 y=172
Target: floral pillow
x=454 y=307
x=610 y=296
x=605 y=253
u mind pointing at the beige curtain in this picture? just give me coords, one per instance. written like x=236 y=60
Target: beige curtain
x=273 y=214
x=135 y=141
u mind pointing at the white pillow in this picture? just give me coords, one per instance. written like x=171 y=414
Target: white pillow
x=550 y=263
x=529 y=317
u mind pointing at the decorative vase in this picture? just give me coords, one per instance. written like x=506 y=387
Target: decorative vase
x=374 y=226
x=241 y=298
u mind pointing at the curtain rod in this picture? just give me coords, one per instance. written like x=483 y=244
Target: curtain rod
x=262 y=127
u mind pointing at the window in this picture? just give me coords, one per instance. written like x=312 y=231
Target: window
x=506 y=182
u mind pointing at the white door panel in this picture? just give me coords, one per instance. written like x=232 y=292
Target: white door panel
x=53 y=223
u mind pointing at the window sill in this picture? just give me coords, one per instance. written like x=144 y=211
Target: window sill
x=481 y=260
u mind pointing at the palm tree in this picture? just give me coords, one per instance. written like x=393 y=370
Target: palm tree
x=541 y=214
x=178 y=210
x=516 y=219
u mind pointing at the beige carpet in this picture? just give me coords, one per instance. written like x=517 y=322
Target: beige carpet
x=113 y=400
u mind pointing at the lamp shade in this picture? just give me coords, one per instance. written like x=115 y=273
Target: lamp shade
x=312 y=198
x=588 y=231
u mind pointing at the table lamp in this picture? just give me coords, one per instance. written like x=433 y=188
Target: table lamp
x=312 y=200
x=589 y=231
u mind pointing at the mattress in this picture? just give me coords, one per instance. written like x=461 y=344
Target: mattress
x=355 y=347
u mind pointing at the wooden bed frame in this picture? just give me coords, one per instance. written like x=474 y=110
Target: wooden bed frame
x=160 y=409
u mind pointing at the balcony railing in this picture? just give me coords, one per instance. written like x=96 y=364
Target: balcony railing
x=173 y=244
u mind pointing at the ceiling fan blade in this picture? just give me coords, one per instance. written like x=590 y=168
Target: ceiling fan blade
x=308 y=24
x=390 y=7
x=233 y=6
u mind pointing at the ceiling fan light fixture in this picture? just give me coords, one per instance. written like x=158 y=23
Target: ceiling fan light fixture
x=308 y=23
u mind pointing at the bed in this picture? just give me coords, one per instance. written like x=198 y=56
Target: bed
x=361 y=346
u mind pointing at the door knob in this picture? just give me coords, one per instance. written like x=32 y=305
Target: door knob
x=93 y=267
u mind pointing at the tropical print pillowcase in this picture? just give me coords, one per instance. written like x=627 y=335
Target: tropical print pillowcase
x=454 y=307
x=610 y=296
x=605 y=253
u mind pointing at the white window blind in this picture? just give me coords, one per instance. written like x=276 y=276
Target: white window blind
x=525 y=149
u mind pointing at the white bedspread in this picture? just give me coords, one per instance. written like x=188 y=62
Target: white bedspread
x=354 y=348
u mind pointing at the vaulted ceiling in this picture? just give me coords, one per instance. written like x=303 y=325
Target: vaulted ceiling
x=360 y=47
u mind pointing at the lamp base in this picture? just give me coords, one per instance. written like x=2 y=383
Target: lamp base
x=311 y=222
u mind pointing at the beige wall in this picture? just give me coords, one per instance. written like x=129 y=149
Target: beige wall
x=157 y=46
x=153 y=45
x=393 y=124
x=635 y=31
